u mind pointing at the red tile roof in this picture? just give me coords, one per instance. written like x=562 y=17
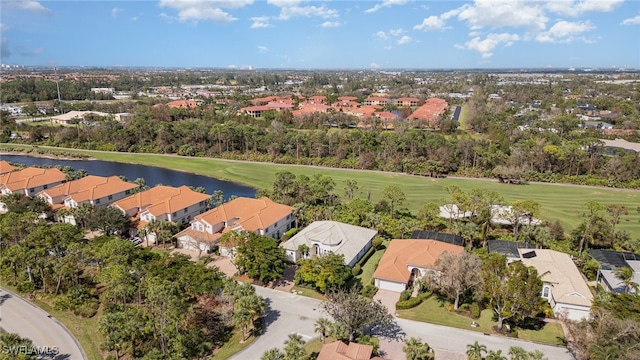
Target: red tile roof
x=161 y=200
x=5 y=167
x=31 y=177
x=400 y=254
x=251 y=214
x=430 y=111
x=338 y=350
x=90 y=187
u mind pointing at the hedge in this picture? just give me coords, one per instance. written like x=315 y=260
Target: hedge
x=408 y=304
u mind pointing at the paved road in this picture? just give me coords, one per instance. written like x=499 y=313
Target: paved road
x=293 y=313
x=286 y=313
x=20 y=316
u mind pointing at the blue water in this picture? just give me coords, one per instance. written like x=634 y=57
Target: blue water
x=152 y=175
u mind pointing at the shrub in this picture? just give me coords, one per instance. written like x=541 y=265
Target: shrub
x=366 y=256
x=425 y=295
x=475 y=310
x=408 y=304
x=405 y=295
x=369 y=291
x=376 y=243
x=356 y=270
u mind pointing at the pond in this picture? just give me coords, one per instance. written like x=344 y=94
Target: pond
x=152 y=175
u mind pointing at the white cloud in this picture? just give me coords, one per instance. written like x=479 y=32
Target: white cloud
x=196 y=10
x=263 y=49
x=374 y=66
x=504 y=13
x=382 y=35
x=432 y=23
x=260 y=22
x=564 y=31
x=396 y=32
x=291 y=9
x=115 y=11
x=632 y=21
x=385 y=3
x=580 y=7
x=29 y=5
x=330 y=24
x=404 y=40
x=487 y=45
x=134 y=18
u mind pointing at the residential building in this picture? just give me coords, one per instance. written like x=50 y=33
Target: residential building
x=338 y=350
x=375 y=100
x=563 y=285
x=260 y=216
x=407 y=260
x=430 y=111
x=75 y=116
x=5 y=167
x=91 y=189
x=408 y=101
x=322 y=237
x=176 y=204
x=30 y=181
x=610 y=261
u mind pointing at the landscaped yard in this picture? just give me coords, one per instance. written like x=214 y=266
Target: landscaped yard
x=558 y=201
x=433 y=311
x=366 y=275
x=233 y=346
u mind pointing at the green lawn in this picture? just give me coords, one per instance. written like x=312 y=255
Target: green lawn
x=370 y=267
x=233 y=346
x=433 y=311
x=309 y=293
x=561 y=202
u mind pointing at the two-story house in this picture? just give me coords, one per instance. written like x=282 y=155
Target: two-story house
x=27 y=181
x=261 y=216
x=91 y=189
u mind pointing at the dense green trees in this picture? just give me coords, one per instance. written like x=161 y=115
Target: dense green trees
x=513 y=290
x=325 y=273
x=261 y=258
x=357 y=313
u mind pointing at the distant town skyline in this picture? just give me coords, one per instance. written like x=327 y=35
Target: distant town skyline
x=293 y=34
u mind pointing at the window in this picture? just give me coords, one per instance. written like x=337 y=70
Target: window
x=174 y=214
x=275 y=225
x=545 y=292
x=97 y=201
x=45 y=187
x=185 y=211
x=127 y=192
x=32 y=190
x=110 y=197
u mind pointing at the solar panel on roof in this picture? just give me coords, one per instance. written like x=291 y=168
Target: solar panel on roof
x=444 y=237
x=529 y=255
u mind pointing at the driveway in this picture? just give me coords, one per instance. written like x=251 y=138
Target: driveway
x=388 y=298
x=53 y=339
x=288 y=313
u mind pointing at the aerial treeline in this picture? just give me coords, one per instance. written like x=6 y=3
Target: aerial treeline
x=574 y=157
x=27 y=90
x=150 y=305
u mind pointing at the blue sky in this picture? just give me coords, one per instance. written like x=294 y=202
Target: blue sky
x=291 y=34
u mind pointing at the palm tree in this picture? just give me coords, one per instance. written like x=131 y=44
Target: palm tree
x=625 y=275
x=604 y=353
x=294 y=348
x=537 y=355
x=495 y=355
x=323 y=326
x=242 y=319
x=476 y=351
x=272 y=354
x=518 y=353
x=416 y=350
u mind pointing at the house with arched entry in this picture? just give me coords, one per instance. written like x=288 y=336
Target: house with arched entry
x=407 y=260
x=322 y=237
